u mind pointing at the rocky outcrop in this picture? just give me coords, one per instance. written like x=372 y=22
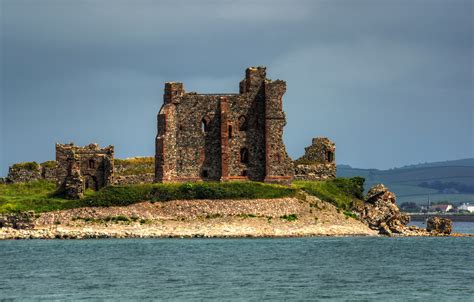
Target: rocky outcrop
x=381 y=213
x=439 y=225
x=18 y=221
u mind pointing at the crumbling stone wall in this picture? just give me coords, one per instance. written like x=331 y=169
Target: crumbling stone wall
x=318 y=162
x=135 y=170
x=48 y=170
x=31 y=171
x=24 y=172
x=81 y=168
x=223 y=136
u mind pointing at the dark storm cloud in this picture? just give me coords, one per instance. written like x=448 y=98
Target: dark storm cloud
x=390 y=81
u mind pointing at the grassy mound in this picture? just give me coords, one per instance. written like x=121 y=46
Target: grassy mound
x=39 y=195
x=341 y=192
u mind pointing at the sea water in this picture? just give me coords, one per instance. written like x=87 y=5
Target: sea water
x=347 y=268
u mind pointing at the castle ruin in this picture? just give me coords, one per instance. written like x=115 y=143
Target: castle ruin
x=82 y=168
x=224 y=137
x=318 y=162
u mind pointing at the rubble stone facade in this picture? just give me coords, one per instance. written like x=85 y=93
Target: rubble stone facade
x=318 y=162
x=30 y=171
x=223 y=137
x=81 y=168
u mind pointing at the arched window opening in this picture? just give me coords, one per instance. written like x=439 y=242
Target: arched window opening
x=205 y=124
x=244 y=155
x=330 y=156
x=242 y=123
x=229 y=130
x=91 y=164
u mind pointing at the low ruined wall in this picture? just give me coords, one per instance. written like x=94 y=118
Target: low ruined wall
x=135 y=170
x=48 y=170
x=24 y=172
x=134 y=179
x=30 y=171
x=315 y=171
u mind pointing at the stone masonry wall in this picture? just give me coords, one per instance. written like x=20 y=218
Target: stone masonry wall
x=318 y=162
x=223 y=137
x=31 y=171
x=80 y=168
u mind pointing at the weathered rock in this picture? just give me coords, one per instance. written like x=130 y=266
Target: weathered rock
x=381 y=213
x=439 y=225
x=380 y=192
x=19 y=221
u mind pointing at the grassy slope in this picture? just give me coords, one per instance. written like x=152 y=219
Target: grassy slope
x=405 y=181
x=38 y=195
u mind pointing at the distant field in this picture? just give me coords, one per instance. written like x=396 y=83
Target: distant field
x=405 y=182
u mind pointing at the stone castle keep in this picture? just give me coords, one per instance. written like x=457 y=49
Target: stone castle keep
x=224 y=136
x=201 y=137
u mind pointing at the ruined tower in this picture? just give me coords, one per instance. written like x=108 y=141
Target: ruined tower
x=223 y=137
x=318 y=162
x=81 y=168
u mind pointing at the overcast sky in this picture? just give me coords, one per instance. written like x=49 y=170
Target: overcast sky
x=391 y=82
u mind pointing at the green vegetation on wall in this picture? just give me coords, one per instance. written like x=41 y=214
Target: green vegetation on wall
x=31 y=166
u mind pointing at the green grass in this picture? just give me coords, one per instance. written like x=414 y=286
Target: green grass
x=35 y=195
x=350 y=214
x=341 y=192
x=39 y=195
x=128 y=194
x=290 y=217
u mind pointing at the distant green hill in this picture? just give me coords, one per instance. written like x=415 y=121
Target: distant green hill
x=442 y=181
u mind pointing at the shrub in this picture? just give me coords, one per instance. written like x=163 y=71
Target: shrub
x=350 y=214
x=291 y=217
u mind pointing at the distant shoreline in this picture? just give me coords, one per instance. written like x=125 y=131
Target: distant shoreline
x=453 y=217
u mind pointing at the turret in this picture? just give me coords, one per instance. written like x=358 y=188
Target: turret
x=254 y=79
x=173 y=91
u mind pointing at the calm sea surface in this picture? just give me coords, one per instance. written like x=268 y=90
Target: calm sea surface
x=355 y=269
